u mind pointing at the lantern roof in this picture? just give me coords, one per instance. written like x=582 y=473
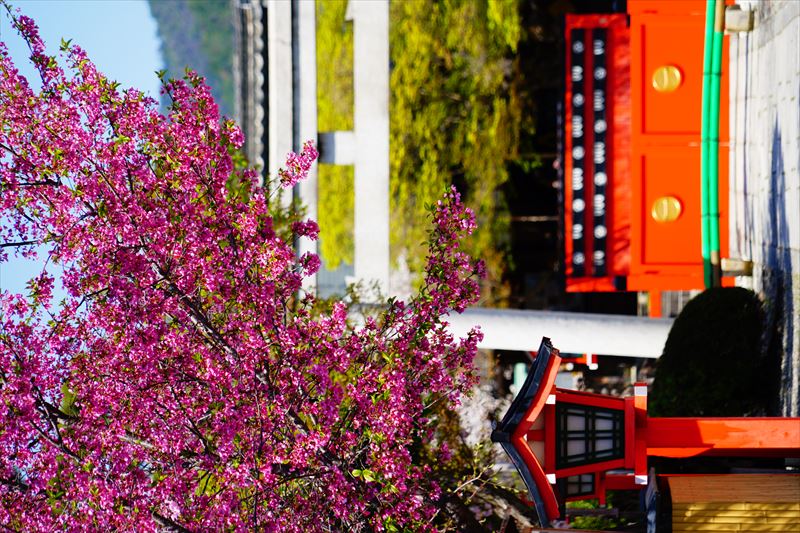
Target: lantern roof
x=511 y=430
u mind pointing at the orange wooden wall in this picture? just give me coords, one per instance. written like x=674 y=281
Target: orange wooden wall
x=653 y=148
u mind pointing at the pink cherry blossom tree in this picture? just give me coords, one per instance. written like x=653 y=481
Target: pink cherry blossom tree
x=186 y=381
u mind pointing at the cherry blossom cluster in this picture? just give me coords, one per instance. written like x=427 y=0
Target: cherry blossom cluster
x=298 y=165
x=186 y=381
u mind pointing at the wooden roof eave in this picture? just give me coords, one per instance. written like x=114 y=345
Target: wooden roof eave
x=521 y=415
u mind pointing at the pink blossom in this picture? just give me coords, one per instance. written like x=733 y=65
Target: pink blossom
x=307 y=228
x=297 y=166
x=185 y=382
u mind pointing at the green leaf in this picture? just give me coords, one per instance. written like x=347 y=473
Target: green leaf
x=68 y=399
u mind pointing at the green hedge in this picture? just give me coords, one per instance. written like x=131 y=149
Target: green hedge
x=714 y=363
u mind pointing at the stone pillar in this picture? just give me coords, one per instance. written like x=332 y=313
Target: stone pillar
x=305 y=106
x=278 y=109
x=248 y=66
x=371 y=96
x=280 y=82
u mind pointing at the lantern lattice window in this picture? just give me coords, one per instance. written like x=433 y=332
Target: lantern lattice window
x=586 y=434
x=581 y=485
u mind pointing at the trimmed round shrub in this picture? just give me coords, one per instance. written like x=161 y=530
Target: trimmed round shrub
x=713 y=362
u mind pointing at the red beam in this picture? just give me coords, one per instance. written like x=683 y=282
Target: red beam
x=727 y=437
x=590 y=468
x=621 y=482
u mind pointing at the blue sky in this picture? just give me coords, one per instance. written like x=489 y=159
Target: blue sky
x=120 y=38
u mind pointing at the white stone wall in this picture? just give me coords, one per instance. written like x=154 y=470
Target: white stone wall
x=765 y=179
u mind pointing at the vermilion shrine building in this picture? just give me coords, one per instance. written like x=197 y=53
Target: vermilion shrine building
x=632 y=155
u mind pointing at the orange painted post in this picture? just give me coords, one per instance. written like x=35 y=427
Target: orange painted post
x=655 y=304
x=725 y=437
x=630 y=432
x=550 y=429
x=642 y=424
x=600 y=488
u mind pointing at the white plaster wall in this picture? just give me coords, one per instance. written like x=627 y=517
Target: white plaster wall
x=765 y=179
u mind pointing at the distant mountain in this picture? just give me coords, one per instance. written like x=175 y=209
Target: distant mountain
x=199 y=34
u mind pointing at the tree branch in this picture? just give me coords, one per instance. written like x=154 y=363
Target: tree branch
x=18 y=243
x=168 y=524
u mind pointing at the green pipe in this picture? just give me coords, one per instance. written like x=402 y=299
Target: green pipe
x=713 y=150
x=704 y=134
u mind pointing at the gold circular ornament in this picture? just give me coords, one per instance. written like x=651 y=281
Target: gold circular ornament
x=666 y=209
x=667 y=78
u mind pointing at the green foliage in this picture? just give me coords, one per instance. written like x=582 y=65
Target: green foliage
x=68 y=400
x=597 y=523
x=336 y=214
x=455 y=112
x=502 y=19
x=199 y=34
x=454 y=119
x=713 y=363
x=335 y=109
x=334 y=67
x=473 y=497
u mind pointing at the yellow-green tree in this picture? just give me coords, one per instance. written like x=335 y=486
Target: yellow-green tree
x=454 y=119
x=335 y=109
